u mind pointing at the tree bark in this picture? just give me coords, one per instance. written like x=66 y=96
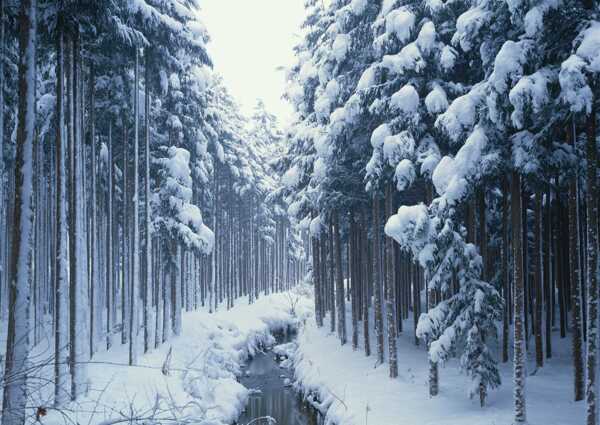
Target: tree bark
x=390 y=298
x=125 y=257
x=317 y=280
x=548 y=288
x=147 y=218
x=537 y=264
x=110 y=273
x=377 y=281
x=504 y=271
x=329 y=278
x=519 y=301
x=61 y=333
x=576 y=321
x=592 y=267
x=339 y=280
x=355 y=278
x=366 y=279
x=135 y=278
x=94 y=304
x=3 y=203
x=79 y=326
x=560 y=260
x=17 y=345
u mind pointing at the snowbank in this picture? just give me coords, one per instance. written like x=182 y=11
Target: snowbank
x=351 y=389
x=201 y=384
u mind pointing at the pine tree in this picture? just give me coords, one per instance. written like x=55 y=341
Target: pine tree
x=18 y=341
x=78 y=291
x=135 y=282
x=592 y=264
x=519 y=333
x=62 y=260
x=147 y=278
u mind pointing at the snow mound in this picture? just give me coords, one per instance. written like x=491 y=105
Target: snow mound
x=199 y=384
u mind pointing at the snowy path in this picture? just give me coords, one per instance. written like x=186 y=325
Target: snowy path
x=358 y=393
x=202 y=386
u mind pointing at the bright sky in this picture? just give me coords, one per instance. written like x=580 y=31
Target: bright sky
x=250 y=39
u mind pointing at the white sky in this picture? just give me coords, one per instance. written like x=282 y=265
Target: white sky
x=250 y=39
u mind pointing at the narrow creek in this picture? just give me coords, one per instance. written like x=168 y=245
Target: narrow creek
x=272 y=396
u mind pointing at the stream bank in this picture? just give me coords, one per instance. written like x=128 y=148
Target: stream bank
x=273 y=400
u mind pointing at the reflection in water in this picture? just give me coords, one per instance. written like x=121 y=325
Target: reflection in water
x=275 y=399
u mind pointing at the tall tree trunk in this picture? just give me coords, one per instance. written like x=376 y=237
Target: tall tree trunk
x=548 y=288
x=592 y=267
x=61 y=332
x=519 y=301
x=147 y=218
x=413 y=275
x=366 y=279
x=355 y=278
x=93 y=231
x=329 y=277
x=125 y=275
x=158 y=292
x=167 y=284
x=17 y=344
x=213 y=281
x=483 y=246
x=504 y=271
x=398 y=288
x=79 y=326
x=135 y=278
x=560 y=259
x=537 y=264
x=434 y=374
x=110 y=273
x=526 y=276
x=390 y=298
x=316 y=274
x=339 y=280
x=176 y=301
x=3 y=203
x=576 y=321
x=377 y=279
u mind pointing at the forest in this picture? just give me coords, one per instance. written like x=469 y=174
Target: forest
x=425 y=226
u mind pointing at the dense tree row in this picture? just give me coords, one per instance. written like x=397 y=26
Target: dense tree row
x=114 y=134
x=445 y=162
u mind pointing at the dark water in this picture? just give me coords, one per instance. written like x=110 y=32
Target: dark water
x=275 y=398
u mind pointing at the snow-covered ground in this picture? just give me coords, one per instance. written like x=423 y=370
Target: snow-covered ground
x=201 y=386
x=353 y=390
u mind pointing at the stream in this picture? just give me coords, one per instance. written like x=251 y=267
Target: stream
x=272 y=395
